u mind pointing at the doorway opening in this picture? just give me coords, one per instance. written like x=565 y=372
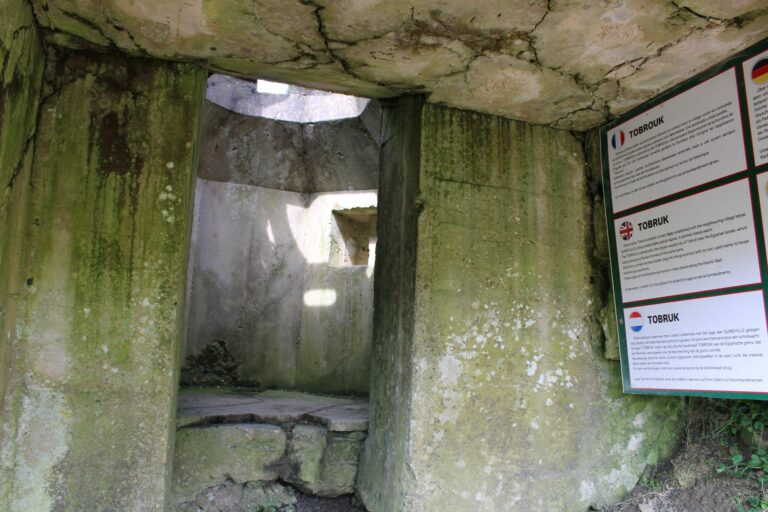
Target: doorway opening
x=275 y=375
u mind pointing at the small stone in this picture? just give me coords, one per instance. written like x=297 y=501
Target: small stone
x=340 y=463
x=221 y=498
x=258 y=496
x=323 y=463
x=305 y=454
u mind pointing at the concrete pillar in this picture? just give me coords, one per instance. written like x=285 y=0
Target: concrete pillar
x=98 y=281
x=489 y=387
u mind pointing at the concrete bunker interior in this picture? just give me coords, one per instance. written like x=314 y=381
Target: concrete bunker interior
x=280 y=296
x=280 y=281
x=493 y=384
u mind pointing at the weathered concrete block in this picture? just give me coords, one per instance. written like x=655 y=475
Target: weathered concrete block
x=323 y=463
x=207 y=456
x=340 y=464
x=305 y=456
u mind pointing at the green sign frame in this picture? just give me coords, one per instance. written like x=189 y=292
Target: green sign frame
x=750 y=174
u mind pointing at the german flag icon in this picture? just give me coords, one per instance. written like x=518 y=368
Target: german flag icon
x=760 y=72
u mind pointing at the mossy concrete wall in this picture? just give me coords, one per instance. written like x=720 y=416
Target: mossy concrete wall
x=494 y=394
x=21 y=70
x=89 y=410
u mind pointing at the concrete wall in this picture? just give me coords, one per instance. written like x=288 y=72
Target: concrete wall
x=297 y=157
x=89 y=410
x=335 y=346
x=261 y=282
x=493 y=394
x=384 y=462
x=22 y=57
x=246 y=274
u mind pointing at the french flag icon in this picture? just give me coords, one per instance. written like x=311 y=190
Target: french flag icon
x=635 y=321
x=618 y=139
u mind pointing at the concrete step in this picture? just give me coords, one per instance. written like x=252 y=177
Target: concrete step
x=232 y=440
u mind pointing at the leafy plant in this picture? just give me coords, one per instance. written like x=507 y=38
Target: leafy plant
x=751 y=418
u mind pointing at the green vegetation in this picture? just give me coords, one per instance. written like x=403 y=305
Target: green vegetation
x=746 y=422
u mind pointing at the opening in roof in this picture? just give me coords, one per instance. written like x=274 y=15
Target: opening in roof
x=281 y=102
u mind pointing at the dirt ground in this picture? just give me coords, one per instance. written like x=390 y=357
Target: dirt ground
x=690 y=482
x=314 y=504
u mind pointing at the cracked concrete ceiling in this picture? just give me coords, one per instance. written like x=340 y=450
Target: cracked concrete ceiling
x=572 y=64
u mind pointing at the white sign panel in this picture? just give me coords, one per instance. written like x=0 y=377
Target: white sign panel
x=756 y=85
x=688 y=140
x=703 y=242
x=714 y=343
x=762 y=192
x=686 y=201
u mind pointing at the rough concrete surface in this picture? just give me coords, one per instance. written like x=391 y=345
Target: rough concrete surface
x=90 y=389
x=501 y=399
x=204 y=406
x=22 y=56
x=567 y=63
x=233 y=441
x=273 y=497
x=309 y=158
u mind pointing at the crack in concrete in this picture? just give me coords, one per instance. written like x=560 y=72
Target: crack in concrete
x=567 y=116
x=637 y=64
x=115 y=25
x=694 y=13
x=298 y=46
x=27 y=149
x=322 y=30
x=521 y=45
x=546 y=13
x=90 y=24
x=29 y=141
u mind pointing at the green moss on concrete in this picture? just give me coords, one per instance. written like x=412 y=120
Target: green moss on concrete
x=322 y=463
x=208 y=456
x=305 y=457
x=340 y=464
x=22 y=61
x=511 y=404
x=105 y=254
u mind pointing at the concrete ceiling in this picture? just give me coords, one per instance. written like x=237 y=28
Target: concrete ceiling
x=566 y=63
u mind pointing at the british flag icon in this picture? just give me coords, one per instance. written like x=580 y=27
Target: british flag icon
x=625 y=230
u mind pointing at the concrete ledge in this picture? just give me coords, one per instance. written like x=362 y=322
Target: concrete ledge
x=231 y=440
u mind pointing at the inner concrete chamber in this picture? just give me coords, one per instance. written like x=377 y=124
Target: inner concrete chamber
x=283 y=241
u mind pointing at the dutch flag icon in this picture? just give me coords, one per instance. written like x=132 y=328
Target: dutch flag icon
x=635 y=321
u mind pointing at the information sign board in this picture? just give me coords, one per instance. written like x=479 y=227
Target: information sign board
x=685 y=181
